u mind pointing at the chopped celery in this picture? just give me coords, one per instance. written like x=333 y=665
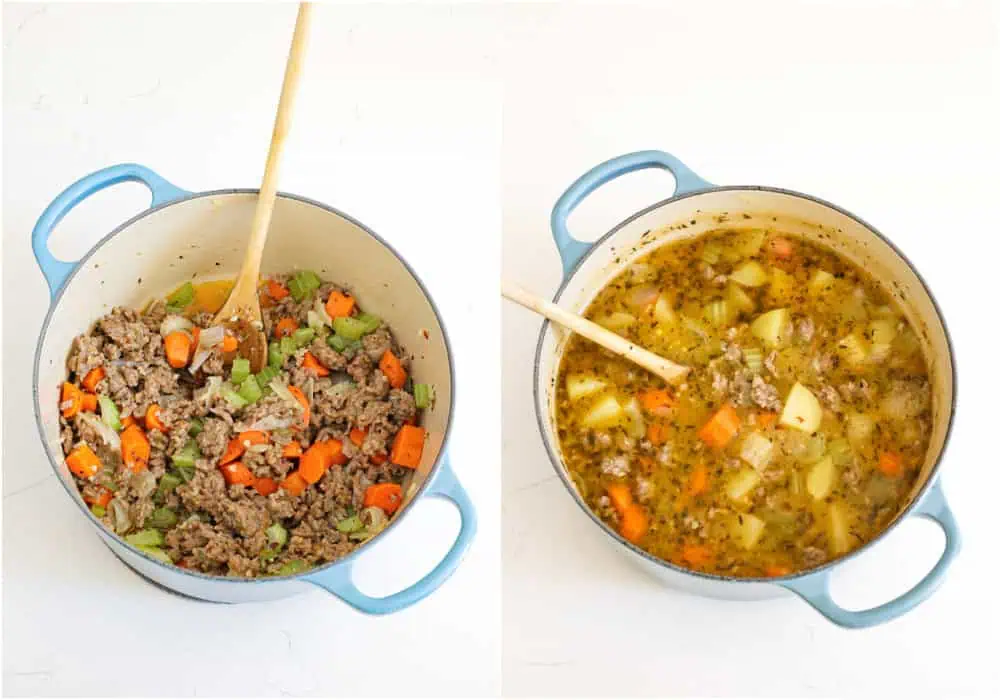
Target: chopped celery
x=162 y=519
x=815 y=448
x=754 y=359
x=371 y=321
x=350 y=524
x=580 y=385
x=718 y=313
x=148 y=538
x=838 y=530
x=749 y=274
x=97 y=510
x=604 y=413
x=739 y=299
x=168 y=482
x=235 y=401
x=186 y=472
x=276 y=534
x=770 y=327
x=288 y=346
x=303 y=336
x=156 y=553
x=298 y=291
x=250 y=391
x=349 y=327
x=186 y=456
x=711 y=253
x=336 y=342
x=635 y=423
x=839 y=451
x=860 y=427
x=821 y=282
x=292 y=567
x=241 y=370
x=195 y=427
x=353 y=346
x=304 y=283
x=756 y=451
x=264 y=378
x=423 y=395
x=819 y=480
x=802 y=410
x=275 y=358
x=181 y=298
x=269 y=553
x=109 y=413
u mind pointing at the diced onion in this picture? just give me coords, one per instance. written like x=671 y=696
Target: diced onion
x=199 y=359
x=375 y=520
x=258 y=448
x=320 y=310
x=279 y=388
x=268 y=423
x=109 y=436
x=173 y=323
x=641 y=297
x=210 y=337
x=210 y=390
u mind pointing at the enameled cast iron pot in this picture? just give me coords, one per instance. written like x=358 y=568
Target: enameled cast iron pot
x=696 y=207
x=184 y=235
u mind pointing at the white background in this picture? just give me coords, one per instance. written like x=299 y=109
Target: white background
x=398 y=124
x=887 y=109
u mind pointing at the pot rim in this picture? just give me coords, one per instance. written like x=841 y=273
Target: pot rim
x=559 y=467
x=80 y=264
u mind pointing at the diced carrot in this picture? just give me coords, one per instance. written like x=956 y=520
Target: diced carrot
x=301 y=398
x=71 y=400
x=334 y=451
x=238 y=445
x=379 y=458
x=777 y=570
x=128 y=422
x=310 y=363
x=720 y=428
x=276 y=290
x=620 y=496
x=153 y=421
x=294 y=484
x=265 y=486
x=656 y=433
x=392 y=368
x=237 y=473
x=89 y=403
x=890 y=464
x=696 y=554
x=357 y=436
x=387 y=496
x=177 y=346
x=83 y=462
x=339 y=304
x=285 y=326
x=93 y=378
x=313 y=463
x=135 y=448
x=766 y=419
x=229 y=343
x=102 y=498
x=698 y=481
x=657 y=401
x=408 y=446
x=292 y=450
x=633 y=523
x=781 y=247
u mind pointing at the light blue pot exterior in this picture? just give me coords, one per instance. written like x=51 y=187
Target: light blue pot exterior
x=812 y=586
x=335 y=577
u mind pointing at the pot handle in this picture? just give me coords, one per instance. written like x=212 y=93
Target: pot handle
x=570 y=249
x=815 y=588
x=338 y=580
x=56 y=271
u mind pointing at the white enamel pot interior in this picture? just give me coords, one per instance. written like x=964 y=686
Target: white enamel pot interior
x=695 y=208
x=203 y=236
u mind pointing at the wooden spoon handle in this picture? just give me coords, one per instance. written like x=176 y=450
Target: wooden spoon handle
x=660 y=366
x=282 y=121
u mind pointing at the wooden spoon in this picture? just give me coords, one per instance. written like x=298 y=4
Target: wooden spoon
x=241 y=312
x=671 y=372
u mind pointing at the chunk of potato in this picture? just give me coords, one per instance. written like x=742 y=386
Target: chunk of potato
x=742 y=483
x=821 y=282
x=580 y=385
x=769 y=327
x=604 y=413
x=819 y=481
x=802 y=410
x=749 y=274
x=751 y=530
x=839 y=531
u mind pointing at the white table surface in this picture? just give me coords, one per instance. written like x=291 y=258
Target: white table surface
x=888 y=111
x=398 y=124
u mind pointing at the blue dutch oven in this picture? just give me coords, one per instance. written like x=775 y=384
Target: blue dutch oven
x=184 y=235
x=695 y=208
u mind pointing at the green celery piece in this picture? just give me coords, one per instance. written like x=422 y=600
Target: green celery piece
x=186 y=456
x=162 y=519
x=156 y=553
x=303 y=336
x=423 y=395
x=241 y=370
x=292 y=567
x=308 y=279
x=350 y=524
x=235 y=401
x=97 y=510
x=336 y=342
x=297 y=289
x=186 y=473
x=145 y=538
x=275 y=358
x=276 y=534
x=349 y=328
x=168 y=482
x=181 y=298
x=288 y=346
x=270 y=553
x=250 y=391
x=195 y=427
x=371 y=322
x=109 y=413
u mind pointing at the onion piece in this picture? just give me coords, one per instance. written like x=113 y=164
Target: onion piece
x=320 y=308
x=210 y=390
x=641 y=297
x=268 y=423
x=281 y=389
x=199 y=359
x=109 y=436
x=173 y=323
x=374 y=519
x=210 y=337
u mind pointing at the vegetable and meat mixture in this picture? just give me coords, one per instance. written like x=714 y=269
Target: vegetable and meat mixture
x=178 y=448
x=796 y=438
